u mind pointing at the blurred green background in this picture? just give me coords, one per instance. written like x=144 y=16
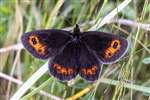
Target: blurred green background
x=19 y=16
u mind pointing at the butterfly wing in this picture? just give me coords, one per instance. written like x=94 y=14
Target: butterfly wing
x=108 y=47
x=45 y=43
x=89 y=66
x=64 y=65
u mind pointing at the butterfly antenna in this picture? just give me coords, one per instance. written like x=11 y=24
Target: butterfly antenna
x=76 y=29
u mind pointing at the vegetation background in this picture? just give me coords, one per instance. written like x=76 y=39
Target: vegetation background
x=128 y=79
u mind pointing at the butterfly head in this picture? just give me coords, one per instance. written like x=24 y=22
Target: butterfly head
x=76 y=29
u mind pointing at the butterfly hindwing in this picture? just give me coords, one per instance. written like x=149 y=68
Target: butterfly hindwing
x=64 y=65
x=89 y=66
x=108 y=47
x=45 y=43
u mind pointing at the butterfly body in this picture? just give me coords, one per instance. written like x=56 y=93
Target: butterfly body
x=75 y=53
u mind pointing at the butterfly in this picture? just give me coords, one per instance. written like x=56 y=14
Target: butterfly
x=75 y=52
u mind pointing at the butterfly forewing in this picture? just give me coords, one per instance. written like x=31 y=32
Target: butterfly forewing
x=108 y=47
x=45 y=43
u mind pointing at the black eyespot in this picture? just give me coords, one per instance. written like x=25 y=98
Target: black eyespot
x=34 y=41
x=39 y=50
x=109 y=54
x=115 y=45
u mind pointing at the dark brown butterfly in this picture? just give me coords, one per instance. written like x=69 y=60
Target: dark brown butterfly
x=75 y=53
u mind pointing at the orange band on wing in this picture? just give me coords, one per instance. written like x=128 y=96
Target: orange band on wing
x=90 y=70
x=114 y=47
x=63 y=70
x=34 y=41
